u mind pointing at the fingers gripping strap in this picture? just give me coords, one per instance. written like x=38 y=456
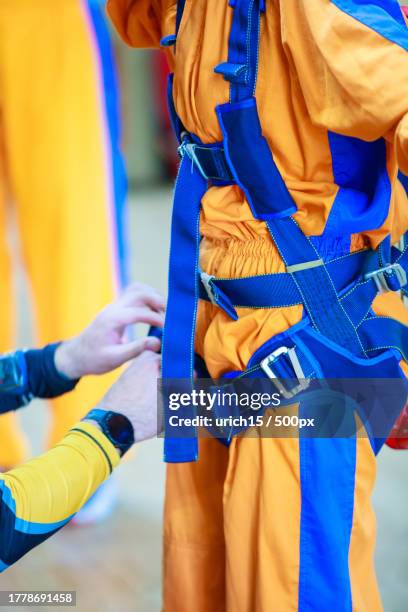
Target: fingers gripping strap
x=178 y=344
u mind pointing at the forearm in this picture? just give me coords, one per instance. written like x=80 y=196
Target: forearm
x=41 y=496
x=39 y=379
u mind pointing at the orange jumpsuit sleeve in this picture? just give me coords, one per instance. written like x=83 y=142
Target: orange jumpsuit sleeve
x=142 y=23
x=351 y=63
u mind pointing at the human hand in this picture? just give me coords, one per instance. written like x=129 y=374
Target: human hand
x=103 y=345
x=134 y=395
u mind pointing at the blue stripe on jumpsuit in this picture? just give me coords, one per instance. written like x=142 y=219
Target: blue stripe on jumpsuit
x=327 y=479
x=375 y=14
x=359 y=167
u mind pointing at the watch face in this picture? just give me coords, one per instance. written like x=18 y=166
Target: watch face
x=120 y=429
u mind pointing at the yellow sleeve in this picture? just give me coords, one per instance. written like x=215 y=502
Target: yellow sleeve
x=143 y=23
x=42 y=495
x=351 y=62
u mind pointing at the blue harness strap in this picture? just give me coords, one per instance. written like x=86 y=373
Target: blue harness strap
x=336 y=295
x=178 y=341
x=242 y=65
x=357 y=279
x=313 y=280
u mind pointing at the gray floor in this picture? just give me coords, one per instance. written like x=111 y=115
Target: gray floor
x=116 y=566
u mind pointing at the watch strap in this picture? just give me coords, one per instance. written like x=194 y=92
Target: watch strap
x=103 y=418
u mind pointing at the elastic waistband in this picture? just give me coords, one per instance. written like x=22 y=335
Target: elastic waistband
x=262 y=247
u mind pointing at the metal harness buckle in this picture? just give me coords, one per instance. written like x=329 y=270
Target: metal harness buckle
x=192 y=150
x=381 y=280
x=207 y=280
x=189 y=149
x=303 y=383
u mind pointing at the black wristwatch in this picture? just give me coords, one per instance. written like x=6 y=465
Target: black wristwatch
x=116 y=427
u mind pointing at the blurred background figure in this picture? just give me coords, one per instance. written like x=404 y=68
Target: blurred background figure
x=62 y=181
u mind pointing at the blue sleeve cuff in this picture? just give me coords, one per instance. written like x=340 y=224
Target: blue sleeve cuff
x=44 y=380
x=39 y=378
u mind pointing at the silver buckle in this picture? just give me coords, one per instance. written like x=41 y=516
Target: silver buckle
x=189 y=149
x=207 y=280
x=380 y=276
x=400 y=245
x=303 y=383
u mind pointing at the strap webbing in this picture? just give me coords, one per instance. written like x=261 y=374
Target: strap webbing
x=279 y=290
x=178 y=343
x=241 y=68
x=382 y=333
x=320 y=298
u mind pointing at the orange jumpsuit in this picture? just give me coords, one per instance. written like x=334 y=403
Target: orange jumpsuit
x=232 y=520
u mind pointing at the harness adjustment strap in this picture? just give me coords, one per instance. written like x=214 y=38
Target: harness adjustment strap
x=234 y=73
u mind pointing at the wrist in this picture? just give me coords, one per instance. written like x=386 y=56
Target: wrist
x=67 y=360
x=97 y=426
x=115 y=426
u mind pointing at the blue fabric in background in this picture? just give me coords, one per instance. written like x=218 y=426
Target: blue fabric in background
x=110 y=88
